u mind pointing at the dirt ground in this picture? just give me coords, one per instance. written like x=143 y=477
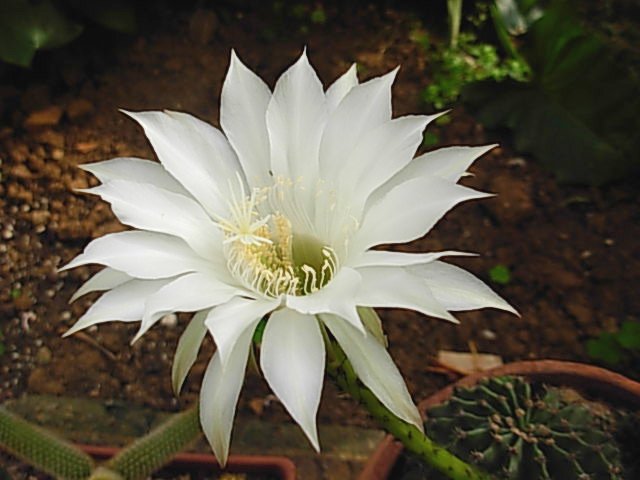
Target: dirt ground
x=573 y=252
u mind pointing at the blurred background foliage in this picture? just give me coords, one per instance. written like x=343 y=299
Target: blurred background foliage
x=534 y=68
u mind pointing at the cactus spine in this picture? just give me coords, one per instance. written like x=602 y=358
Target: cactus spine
x=42 y=449
x=507 y=428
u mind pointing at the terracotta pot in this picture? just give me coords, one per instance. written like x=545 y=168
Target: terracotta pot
x=586 y=378
x=280 y=467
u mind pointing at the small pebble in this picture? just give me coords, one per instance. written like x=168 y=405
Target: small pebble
x=170 y=320
x=488 y=334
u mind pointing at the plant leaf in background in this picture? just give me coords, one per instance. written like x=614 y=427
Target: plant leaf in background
x=500 y=274
x=606 y=349
x=629 y=335
x=616 y=348
x=578 y=115
x=26 y=27
x=117 y=15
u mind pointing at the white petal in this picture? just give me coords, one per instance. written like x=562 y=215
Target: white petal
x=292 y=359
x=339 y=89
x=150 y=208
x=449 y=163
x=124 y=303
x=379 y=155
x=395 y=287
x=187 y=350
x=456 y=289
x=243 y=107
x=135 y=170
x=409 y=211
x=219 y=396
x=380 y=258
x=195 y=153
x=295 y=117
x=189 y=293
x=375 y=368
x=363 y=108
x=140 y=254
x=337 y=297
x=227 y=322
x=105 y=279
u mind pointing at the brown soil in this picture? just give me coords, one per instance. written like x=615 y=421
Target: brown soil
x=573 y=251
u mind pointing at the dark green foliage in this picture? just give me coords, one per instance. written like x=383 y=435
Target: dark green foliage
x=578 y=114
x=42 y=449
x=620 y=348
x=507 y=428
x=27 y=26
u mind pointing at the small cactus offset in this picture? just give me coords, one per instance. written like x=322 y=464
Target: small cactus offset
x=42 y=449
x=508 y=428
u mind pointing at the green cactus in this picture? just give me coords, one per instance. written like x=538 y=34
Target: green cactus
x=42 y=449
x=54 y=456
x=507 y=427
x=150 y=452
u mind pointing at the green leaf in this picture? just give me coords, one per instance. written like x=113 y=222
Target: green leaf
x=26 y=27
x=578 y=116
x=606 y=349
x=629 y=335
x=430 y=139
x=117 y=15
x=500 y=274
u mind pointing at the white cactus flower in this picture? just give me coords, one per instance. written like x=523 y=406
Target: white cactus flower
x=276 y=215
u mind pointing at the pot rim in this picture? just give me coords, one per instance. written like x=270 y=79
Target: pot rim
x=277 y=465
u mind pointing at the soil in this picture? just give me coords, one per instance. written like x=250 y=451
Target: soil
x=572 y=251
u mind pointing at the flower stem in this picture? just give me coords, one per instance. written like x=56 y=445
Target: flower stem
x=341 y=371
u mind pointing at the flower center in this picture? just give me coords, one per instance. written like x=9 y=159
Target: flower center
x=267 y=256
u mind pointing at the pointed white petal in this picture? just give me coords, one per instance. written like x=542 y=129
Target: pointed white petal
x=105 y=279
x=456 y=289
x=379 y=155
x=135 y=170
x=363 y=108
x=187 y=350
x=150 y=208
x=243 y=107
x=227 y=322
x=219 y=396
x=140 y=254
x=195 y=153
x=189 y=293
x=292 y=359
x=373 y=324
x=295 y=117
x=449 y=163
x=395 y=287
x=381 y=258
x=337 y=297
x=409 y=211
x=339 y=89
x=375 y=368
x=124 y=303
